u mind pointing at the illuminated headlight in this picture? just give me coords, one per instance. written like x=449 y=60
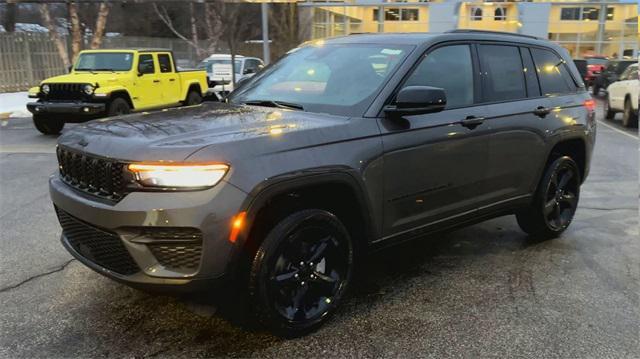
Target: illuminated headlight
x=45 y=89
x=178 y=175
x=88 y=89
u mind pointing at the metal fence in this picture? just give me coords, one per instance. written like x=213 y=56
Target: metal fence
x=28 y=58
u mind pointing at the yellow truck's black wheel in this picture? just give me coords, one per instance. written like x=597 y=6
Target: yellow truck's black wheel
x=48 y=126
x=193 y=98
x=119 y=106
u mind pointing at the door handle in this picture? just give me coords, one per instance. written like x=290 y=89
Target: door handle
x=172 y=80
x=541 y=111
x=472 y=122
x=156 y=81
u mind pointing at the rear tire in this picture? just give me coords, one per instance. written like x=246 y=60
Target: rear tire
x=118 y=107
x=555 y=201
x=609 y=114
x=300 y=272
x=629 y=116
x=193 y=98
x=48 y=126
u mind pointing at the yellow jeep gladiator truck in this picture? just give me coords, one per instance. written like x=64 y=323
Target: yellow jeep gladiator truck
x=114 y=82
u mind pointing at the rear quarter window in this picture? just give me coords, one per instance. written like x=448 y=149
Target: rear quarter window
x=552 y=72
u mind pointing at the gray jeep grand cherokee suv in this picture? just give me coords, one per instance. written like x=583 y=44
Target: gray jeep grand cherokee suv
x=343 y=146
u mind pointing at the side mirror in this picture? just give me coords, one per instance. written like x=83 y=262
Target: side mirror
x=417 y=100
x=70 y=68
x=248 y=71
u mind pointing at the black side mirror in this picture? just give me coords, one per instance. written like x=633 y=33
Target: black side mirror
x=248 y=71
x=70 y=68
x=417 y=100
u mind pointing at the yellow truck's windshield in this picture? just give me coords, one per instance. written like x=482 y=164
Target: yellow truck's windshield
x=104 y=61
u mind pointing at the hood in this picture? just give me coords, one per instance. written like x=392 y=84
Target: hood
x=101 y=78
x=175 y=134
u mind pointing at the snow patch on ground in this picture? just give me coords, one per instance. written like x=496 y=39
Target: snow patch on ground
x=14 y=104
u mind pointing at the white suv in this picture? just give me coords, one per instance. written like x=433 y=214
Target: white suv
x=218 y=68
x=623 y=96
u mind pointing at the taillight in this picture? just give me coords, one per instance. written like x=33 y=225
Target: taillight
x=590 y=105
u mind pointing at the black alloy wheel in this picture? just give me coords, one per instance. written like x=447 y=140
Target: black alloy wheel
x=301 y=272
x=555 y=202
x=561 y=198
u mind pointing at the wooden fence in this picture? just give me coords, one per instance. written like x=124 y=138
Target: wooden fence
x=28 y=58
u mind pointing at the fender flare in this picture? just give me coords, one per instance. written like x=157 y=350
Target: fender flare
x=263 y=192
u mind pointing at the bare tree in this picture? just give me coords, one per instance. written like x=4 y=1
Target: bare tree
x=53 y=33
x=283 y=21
x=78 y=28
x=9 y=20
x=101 y=24
x=213 y=26
x=76 y=32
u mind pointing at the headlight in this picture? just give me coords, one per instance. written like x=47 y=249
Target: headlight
x=45 y=89
x=178 y=175
x=88 y=89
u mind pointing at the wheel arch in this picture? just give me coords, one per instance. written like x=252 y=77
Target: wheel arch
x=122 y=94
x=192 y=86
x=574 y=147
x=337 y=192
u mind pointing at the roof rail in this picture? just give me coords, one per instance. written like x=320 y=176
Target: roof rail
x=491 y=32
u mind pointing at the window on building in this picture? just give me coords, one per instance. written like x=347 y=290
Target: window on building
x=449 y=68
x=397 y=14
x=584 y=13
x=500 y=14
x=503 y=73
x=552 y=72
x=570 y=13
x=476 y=14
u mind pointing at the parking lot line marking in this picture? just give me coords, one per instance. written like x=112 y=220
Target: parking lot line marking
x=618 y=130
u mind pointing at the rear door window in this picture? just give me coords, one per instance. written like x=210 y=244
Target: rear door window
x=164 y=60
x=450 y=68
x=503 y=73
x=552 y=72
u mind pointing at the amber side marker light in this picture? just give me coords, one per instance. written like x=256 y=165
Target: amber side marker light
x=590 y=105
x=237 y=223
x=178 y=175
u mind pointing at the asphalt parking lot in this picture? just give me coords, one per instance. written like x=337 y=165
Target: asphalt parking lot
x=487 y=290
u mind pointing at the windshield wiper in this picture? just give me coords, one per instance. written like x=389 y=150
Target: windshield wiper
x=279 y=104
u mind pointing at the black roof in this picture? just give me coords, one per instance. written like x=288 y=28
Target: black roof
x=417 y=38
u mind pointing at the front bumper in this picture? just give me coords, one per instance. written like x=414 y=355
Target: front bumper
x=208 y=212
x=79 y=108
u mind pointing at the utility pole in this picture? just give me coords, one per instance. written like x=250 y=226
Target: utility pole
x=266 y=51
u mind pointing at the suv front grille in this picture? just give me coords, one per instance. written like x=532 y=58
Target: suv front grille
x=71 y=92
x=97 y=245
x=97 y=176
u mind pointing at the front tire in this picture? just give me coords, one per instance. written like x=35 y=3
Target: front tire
x=609 y=114
x=48 y=126
x=555 y=201
x=629 y=116
x=300 y=272
x=118 y=107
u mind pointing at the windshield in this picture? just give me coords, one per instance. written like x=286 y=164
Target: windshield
x=339 y=79
x=596 y=61
x=104 y=61
x=209 y=64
